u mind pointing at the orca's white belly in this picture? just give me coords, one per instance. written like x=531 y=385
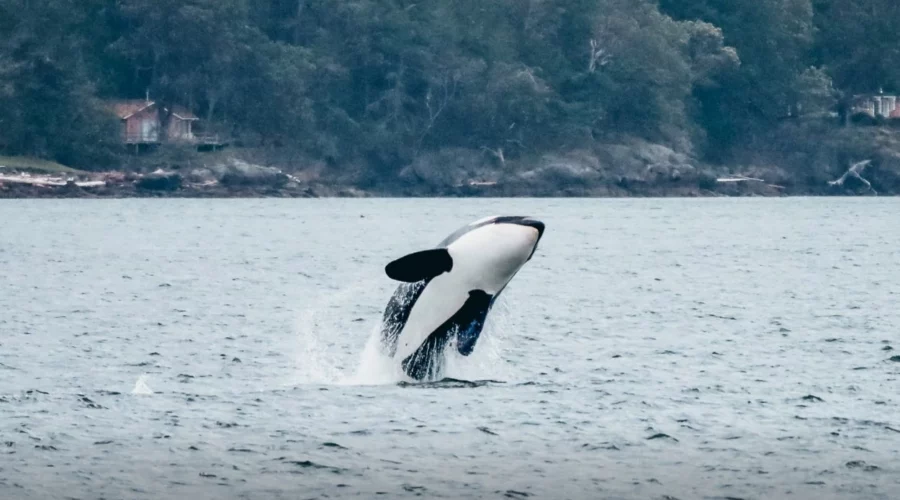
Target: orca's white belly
x=438 y=302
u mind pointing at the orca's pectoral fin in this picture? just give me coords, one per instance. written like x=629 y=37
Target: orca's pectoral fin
x=466 y=324
x=468 y=336
x=420 y=265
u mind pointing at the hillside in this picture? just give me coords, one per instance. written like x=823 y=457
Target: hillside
x=599 y=97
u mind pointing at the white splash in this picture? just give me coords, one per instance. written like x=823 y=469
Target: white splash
x=328 y=339
x=375 y=367
x=140 y=387
x=326 y=335
x=315 y=362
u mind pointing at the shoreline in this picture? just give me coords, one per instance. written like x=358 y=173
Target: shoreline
x=626 y=168
x=317 y=190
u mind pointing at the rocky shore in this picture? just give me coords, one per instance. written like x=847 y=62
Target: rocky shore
x=625 y=169
x=173 y=186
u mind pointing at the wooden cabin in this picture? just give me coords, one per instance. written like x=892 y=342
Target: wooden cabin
x=146 y=122
x=140 y=121
x=180 y=125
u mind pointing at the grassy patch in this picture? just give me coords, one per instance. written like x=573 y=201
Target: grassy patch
x=36 y=165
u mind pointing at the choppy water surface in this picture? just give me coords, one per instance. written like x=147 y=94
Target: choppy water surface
x=652 y=349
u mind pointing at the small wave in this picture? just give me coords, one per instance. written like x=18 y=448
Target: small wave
x=141 y=387
x=450 y=383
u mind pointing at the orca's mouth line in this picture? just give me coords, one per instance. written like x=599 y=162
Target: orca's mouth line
x=522 y=221
x=535 y=224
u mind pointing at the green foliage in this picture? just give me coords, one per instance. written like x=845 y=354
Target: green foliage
x=48 y=107
x=814 y=92
x=37 y=165
x=857 y=42
x=385 y=81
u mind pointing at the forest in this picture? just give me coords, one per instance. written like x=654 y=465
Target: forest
x=377 y=85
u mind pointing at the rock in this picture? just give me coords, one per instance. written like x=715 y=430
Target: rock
x=771 y=174
x=201 y=176
x=643 y=161
x=237 y=173
x=160 y=182
x=578 y=167
x=613 y=169
x=449 y=167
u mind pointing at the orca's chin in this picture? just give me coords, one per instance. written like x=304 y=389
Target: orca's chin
x=521 y=221
x=528 y=222
x=538 y=226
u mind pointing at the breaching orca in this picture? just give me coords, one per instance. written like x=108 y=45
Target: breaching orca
x=447 y=291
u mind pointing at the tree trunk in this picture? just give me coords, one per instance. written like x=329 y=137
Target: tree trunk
x=213 y=98
x=297 y=30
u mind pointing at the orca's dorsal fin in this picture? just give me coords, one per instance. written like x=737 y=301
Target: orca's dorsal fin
x=420 y=265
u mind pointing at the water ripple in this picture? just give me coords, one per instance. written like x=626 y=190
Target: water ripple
x=659 y=349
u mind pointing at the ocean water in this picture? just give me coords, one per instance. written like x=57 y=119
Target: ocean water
x=652 y=349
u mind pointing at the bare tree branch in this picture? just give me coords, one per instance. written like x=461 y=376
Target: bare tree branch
x=602 y=45
x=599 y=56
x=855 y=170
x=497 y=153
x=447 y=89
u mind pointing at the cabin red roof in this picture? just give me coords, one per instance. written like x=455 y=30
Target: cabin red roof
x=127 y=109
x=183 y=113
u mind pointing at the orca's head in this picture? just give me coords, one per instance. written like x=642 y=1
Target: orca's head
x=495 y=248
x=526 y=229
x=486 y=253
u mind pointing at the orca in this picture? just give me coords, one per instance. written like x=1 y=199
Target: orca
x=447 y=291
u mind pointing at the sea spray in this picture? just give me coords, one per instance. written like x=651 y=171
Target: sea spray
x=324 y=338
x=375 y=367
x=334 y=348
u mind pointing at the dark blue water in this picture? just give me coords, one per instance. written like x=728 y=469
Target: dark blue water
x=722 y=348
